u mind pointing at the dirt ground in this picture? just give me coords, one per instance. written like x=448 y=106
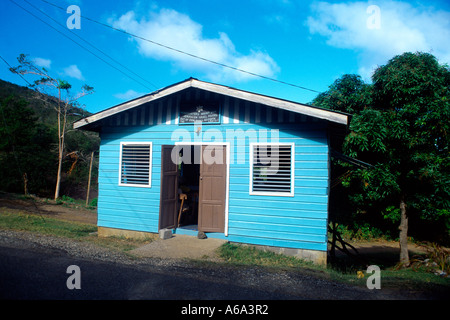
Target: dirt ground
x=39 y=206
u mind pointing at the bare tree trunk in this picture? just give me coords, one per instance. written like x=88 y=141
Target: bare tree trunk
x=60 y=148
x=403 y=239
x=25 y=184
x=89 y=179
x=58 y=177
x=60 y=160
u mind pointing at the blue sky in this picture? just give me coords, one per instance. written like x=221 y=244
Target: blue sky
x=305 y=43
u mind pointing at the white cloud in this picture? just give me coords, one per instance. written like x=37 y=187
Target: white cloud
x=179 y=31
x=129 y=95
x=402 y=28
x=73 y=72
x=43 y=63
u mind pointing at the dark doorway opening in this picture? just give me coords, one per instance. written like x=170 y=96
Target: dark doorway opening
x=188 y=186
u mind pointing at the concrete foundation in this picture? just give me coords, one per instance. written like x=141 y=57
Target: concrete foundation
x=315 y=256
x=128 y=234
x=165 y=234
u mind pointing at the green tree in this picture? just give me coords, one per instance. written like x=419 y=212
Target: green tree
x=65 y=101
x=351 y=95
x=405 y=135
x=348 y=94
x=24 y=148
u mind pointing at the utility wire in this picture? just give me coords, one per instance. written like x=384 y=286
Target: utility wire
x=17 y=73
x=185 y=53
x=102 y=52
x=90 y=51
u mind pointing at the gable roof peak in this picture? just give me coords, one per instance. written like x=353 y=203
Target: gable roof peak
x=329 y=115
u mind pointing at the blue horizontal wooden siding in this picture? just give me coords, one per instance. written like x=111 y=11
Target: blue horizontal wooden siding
x=275 y=242
x=299 y=221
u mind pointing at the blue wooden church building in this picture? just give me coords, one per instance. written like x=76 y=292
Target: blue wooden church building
x=197 y=156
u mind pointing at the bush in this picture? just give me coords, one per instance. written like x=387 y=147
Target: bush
x=437 y=259
x=93 y=202
x=65 y=200
x=363 y=231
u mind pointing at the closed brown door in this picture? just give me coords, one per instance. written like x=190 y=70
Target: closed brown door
x=212 y=189
x=169 y=189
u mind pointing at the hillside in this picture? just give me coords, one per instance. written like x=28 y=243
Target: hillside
x=28 y=145
x=45 y=114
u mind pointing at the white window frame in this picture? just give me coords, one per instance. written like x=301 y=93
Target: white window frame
x=150 y=165
x=272 y=193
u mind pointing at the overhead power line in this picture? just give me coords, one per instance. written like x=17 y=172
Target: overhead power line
x=80 y=45
x=17 y=73
x=186 y=53
x=101 y=51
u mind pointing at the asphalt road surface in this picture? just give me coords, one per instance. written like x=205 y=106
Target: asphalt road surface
x=42 y=274
x=35 y=267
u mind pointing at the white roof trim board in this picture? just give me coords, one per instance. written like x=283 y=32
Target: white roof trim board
x=333 y=116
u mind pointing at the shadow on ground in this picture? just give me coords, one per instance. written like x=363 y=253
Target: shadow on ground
x=384 y=254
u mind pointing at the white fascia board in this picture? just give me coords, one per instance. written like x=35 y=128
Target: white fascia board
x=131 y=104
x=274 y=102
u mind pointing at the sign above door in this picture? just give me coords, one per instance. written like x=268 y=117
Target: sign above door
x=198 y=112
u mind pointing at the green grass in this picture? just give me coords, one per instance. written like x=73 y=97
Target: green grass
x=249 y=255
x=44 y=225
x=390 y=277
x=21 y=221
x=69 y=202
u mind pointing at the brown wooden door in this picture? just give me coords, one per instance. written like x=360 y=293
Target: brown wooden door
x=169 y=189
x=212 y=190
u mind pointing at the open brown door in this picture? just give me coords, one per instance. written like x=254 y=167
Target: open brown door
x=169 y=189
x=212 y=190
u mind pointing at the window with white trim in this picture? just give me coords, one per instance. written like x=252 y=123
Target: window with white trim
x=135 y=164
x=272 y=169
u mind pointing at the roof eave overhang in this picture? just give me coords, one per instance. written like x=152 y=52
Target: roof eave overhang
x=332 y=116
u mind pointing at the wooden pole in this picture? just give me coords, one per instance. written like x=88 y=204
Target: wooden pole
x=25 y=183
x=89 y=182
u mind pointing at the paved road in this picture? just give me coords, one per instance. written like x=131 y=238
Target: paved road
x=31 y=269
x=26 y=274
